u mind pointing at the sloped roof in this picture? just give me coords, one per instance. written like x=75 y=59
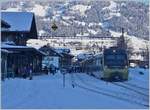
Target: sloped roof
x=19 y=21
x=48 y=48
x=67 y=55
x=21 y=48
x=4 y=24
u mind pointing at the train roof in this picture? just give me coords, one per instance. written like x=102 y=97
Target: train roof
x=115 y=50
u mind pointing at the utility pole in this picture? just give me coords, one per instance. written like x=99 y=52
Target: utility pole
x=64 y=80
x=72 y=80
x=63 y=72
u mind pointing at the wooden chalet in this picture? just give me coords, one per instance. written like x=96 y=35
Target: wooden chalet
x=17 y=28
x=21 y=26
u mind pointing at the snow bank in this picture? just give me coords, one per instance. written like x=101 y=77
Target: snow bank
x=47 y=92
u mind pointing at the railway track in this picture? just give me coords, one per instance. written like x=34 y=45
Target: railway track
x=100 y=88
x=118 y=95
x=131 y=88
x=139 y=87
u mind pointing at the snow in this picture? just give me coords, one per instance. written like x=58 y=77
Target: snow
x=47 y=92
x=56 y=17
x=3 y=45
x=112 y=6
x=136 y=78
x=19 y=21
x=80 y=23
x=92 y=31
x=39 y=10
x=137 y=43
x=81 y=9
x=41 y=32
x=94 y=24
x=59 y=43
x=68 y=17
x=51 y=60
x=82 y=34
x=113 y=10
x=83 y=56
x=11 y=9
x=5 y=51
x=134 y=42
x=62 y=50
x=65 y=23
x=36 y=43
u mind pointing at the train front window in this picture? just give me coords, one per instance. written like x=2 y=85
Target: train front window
x=115 y=60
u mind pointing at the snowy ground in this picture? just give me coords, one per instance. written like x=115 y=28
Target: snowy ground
x=46 y=91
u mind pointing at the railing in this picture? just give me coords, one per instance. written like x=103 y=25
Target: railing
x=77 y=37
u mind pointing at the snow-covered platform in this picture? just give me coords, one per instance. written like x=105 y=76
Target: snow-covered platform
x=47 y=91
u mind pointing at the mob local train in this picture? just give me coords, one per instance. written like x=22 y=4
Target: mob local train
x=112 y=64
x=115 y=64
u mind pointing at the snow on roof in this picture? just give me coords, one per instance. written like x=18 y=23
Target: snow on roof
x=50 y=49
x=83 y=56
x=5 y=46
x=19 y=21
x=62 y=50
x=10 y=9
x=5 y=51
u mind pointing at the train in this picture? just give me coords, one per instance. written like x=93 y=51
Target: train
x=115 y=64
x=112 y=64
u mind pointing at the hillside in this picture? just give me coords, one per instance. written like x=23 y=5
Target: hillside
x=92 y=18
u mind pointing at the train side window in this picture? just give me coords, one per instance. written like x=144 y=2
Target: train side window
x=101 y=62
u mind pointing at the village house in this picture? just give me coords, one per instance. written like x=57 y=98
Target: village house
x=17 y=28
x=66 y=60
x=51 y=58
x=60 y=58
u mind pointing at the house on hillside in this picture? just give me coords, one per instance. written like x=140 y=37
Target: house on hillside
x=17 y=28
